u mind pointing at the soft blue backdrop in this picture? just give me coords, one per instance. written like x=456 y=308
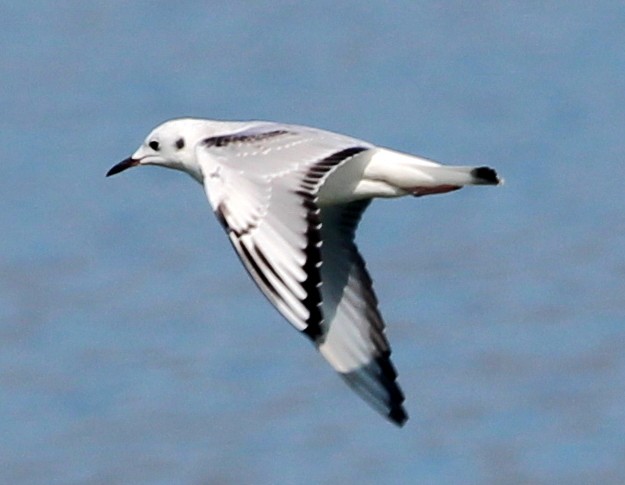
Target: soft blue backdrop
x=134 y=349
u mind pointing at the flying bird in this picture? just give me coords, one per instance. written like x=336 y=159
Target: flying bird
x=290 y=199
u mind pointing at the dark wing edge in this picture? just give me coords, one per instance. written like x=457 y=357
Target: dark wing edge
x=371 y=379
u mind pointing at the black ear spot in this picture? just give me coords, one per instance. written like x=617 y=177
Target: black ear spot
x=180 y=143
x=154 y=145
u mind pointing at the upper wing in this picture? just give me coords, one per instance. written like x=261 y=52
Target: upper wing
x=262 y=183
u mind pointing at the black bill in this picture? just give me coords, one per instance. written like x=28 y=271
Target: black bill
x=123 y=165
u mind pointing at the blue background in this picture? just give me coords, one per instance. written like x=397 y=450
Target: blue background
x=134 y=349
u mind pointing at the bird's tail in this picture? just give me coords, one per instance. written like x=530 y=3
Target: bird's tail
x=419 y=176
x=441 y=179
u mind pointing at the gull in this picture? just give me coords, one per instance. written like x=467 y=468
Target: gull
x=290 y=199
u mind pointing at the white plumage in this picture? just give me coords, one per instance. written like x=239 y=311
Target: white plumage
x=290 y=199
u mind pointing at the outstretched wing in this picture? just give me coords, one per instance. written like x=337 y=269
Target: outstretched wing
x=262 y=182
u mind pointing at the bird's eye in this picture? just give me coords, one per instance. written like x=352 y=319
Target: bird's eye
x=154 y=145
x=180 y=143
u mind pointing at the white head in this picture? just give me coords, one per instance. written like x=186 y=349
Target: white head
x=170 y=145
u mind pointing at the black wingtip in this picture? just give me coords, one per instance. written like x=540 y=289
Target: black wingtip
x=398 y=416
x=485 y=176
x=376 y=383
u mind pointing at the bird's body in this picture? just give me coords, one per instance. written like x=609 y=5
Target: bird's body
x=290 y=199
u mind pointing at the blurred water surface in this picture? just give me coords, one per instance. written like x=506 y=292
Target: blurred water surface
x=134 y=349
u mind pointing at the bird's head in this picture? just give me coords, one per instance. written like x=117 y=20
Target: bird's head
x=170 y=145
